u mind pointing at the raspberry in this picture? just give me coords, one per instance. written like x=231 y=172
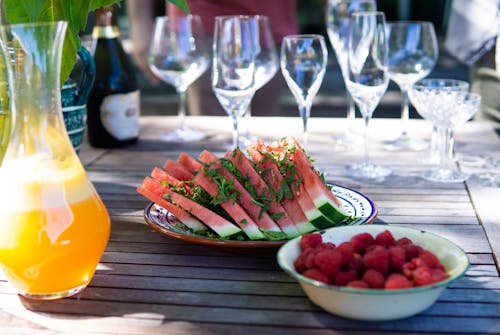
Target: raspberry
x=385 y=239
x=356 y=263
x=300 y=262
x=403 y=241
x=310 y=260
x=411 y=251
x=429 y=259
x=397 y=281
x=325 y=245
x=422 y=276
x=357 y=284
x=398 y=257
x=347 y=252
x=377 y=259
x=361 y=241
x=310 y=240
x=373 y=278
x=341 y=278
x=438 y=275
x=408 y=269
x=328 y=261
x=318 y=275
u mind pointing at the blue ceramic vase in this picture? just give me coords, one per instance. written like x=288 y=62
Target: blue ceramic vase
x=74 y=99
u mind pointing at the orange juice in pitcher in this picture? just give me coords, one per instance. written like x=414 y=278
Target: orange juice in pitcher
x=53 y=228
x=53 y=225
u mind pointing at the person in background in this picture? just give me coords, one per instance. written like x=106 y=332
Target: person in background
x=282 y=17
x=470 y=37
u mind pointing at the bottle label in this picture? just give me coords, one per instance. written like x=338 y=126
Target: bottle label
x=120 y=115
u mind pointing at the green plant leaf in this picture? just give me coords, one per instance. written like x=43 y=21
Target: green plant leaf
x=182 y=4
x=73 y=11
x=94 y=4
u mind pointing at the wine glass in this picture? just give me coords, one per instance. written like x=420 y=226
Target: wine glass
x=179 y=55
x=447 y=105
x=303 y=64
x=266 y=62
x=338 y=22
x=367 y=78
x=233 y=66
x=413 y=52
x=454 y=87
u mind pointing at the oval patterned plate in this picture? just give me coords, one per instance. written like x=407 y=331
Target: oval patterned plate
x=165 y=223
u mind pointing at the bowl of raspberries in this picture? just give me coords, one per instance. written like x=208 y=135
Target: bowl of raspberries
x=374 y=272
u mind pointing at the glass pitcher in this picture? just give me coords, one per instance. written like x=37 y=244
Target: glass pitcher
x=5 y=121
x=53 y=225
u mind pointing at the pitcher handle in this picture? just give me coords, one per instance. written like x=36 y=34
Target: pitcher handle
x=88 y=75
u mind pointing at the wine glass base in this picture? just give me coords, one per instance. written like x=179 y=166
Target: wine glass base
x=183 y=135
x=404 y=142
x=445 y=175
x=367 y=170
x=429 y=159
x=347 y=141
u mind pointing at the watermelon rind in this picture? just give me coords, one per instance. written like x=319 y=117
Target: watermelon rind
x=331 y=211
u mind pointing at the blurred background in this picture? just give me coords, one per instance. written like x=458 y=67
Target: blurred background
x=160 y=99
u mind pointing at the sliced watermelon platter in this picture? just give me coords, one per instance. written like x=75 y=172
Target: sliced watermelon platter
x=270 y=193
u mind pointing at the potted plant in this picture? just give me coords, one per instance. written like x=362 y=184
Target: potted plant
x=75 y=12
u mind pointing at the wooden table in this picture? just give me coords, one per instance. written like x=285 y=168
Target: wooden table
x=150 y=284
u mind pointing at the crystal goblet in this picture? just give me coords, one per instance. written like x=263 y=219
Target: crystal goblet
x=446 y=105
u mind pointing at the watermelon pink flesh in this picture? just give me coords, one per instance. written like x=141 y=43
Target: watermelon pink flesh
x=216 y=222
x=178 y=212
x=322 y=197
x=261 y=218
x=191 y=164
x=273 y=177
x=163 y=175
x=311 y=177
x=243 y=164
x=177 y=170
x=234 y=210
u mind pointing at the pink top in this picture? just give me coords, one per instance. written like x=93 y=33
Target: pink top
x=282 y=13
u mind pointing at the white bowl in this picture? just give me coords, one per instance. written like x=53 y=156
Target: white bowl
x=377 y=304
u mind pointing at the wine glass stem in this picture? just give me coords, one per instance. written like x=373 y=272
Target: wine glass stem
x=366 y=118
x=305 y=110
x=405 y=112
x=445 y=143
x=235 y=132
x=351 y=113
x=247 y=117
x=181 y=114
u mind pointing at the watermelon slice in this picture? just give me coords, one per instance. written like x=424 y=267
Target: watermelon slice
x=272 y=176
x=177 y=170
x=191 y=164
x=251 y=179
x=245 y=199
x=217 y=223
x=280 y=154
x=164 y=176
x=237 y=213
x=186 y=218
x=322 y=197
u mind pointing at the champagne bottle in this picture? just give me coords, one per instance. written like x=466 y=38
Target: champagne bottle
x=113 y=105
